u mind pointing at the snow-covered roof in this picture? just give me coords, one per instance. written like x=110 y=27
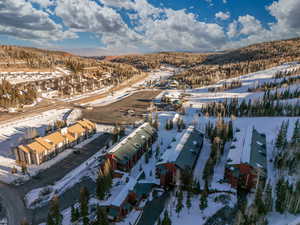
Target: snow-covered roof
x=171 y=154
x=117 y=146
x=252 y=151
x=121 y=197
x=241 y=153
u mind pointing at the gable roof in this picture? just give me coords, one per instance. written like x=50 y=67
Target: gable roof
x=188 y=155
x=54 y=138
x=253 y=152
x=23 y=148
x=76 y=129
x=37 y=147
x=258 y=156
x=46 y=144
x=86 y=124
x=184 y=153
x=124 y=150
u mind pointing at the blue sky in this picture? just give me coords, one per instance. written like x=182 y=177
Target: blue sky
x=110 y=27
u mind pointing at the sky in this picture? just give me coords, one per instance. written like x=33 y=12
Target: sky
x=113 y=27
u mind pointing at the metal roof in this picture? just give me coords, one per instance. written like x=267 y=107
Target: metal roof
x=129 y=146
x=184 y=154
x=258 y=155
x=188 y=155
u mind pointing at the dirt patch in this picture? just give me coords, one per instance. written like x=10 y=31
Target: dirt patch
x=125 y=111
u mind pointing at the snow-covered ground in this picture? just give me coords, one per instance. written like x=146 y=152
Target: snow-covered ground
x=125 y=92
x=10 y=134
x=33 y=198
x=195 y=216
x=22 y=76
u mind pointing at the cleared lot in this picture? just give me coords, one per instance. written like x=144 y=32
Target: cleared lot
x=125 y=111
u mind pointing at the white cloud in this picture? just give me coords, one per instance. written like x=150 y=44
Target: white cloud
x=156 y=28
x=224 y=1
x=222 y=15
x=232 y=29
x=21 y=20
x=250 y=25
x=43 y=3
x=287 y=25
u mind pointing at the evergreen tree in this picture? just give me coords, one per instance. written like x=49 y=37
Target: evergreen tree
x=230 y=130
x=73 y=214
x=166 y=220
x=261 y=208
x=86 y=220
x=203 y=201
x=157 y=152
x=281 y=189
x=179 y=204
x=54 y=215
x=100 y=187
x=188 y=201
x=50 y=220
x=84 y=200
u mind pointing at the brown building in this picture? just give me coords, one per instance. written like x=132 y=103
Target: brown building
x=45 y=148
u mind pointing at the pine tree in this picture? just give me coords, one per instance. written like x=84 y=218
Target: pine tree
x=50 y=220
x=261 y=208
x=54 y=213
x=203 y=201
x=100 y=187
x=84 y=200
x=281 y=189
x=85 y=220
x=268 y=199
x=157 y=152
x=73 y=214
x=166 y=220
x=188 y=201
x=179 y=204
x=230 y=130
x=101 y=217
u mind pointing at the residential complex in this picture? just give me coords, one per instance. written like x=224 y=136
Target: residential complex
x=180 y=158
x=126 y=153
x=45 y=148
x=246 y=165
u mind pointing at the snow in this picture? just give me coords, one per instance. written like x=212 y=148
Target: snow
x=194 y=216
x=68 y=180
x=10 y=134
x=116 y=147
x=124 y=193
x=283 y=219
x=172 y=154
x=125 y=92
x=21 y=76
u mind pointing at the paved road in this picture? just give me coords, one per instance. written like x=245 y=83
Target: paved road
x=13 y=204
x=12 y=196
